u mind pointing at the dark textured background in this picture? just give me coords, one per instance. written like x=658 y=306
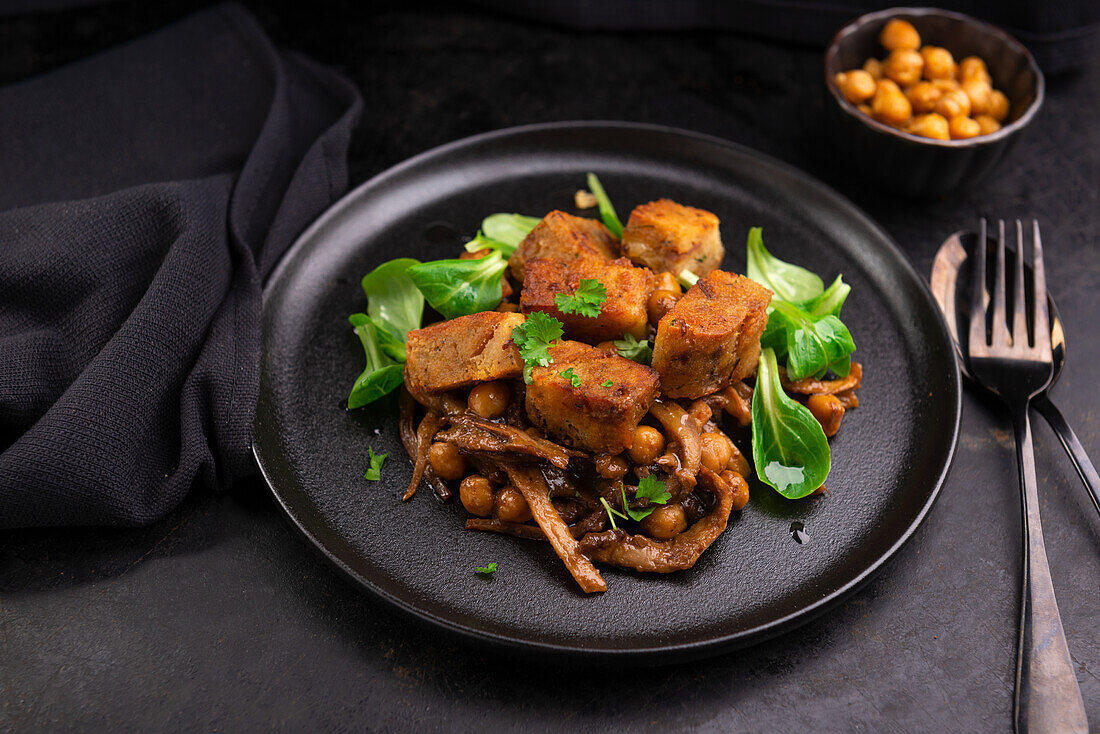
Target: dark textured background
x=220 y=617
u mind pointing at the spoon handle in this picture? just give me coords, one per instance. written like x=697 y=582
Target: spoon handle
x=1073 y=447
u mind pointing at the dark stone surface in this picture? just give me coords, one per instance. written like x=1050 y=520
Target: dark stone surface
x=220 y=617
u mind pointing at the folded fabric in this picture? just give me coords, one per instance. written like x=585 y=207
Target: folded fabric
x=144 y=195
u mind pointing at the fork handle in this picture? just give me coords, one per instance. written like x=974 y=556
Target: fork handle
x=1048 y=699
x=1073 y=447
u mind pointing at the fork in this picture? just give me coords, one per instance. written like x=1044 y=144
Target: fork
x=1016 y=369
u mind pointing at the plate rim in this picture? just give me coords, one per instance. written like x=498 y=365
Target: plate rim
x=668 y=652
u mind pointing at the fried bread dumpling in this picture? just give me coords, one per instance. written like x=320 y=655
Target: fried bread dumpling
x=711 y=337
x=589 y=398
x=564 y=237
x=462 y=352
x=622 y=312
x=669 y=238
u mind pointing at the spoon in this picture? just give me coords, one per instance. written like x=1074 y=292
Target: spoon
x=949 y=265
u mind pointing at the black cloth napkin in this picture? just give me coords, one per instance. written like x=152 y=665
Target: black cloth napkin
x=144 y=195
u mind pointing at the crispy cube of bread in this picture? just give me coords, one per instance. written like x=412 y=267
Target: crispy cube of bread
x=593 y=415
x=565 y=237
x=669 y=238
x=624 y=310
x=461 y=352
x=711 y=337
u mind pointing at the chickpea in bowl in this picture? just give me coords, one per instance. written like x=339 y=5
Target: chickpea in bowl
x=922 y=90
x=928 y=101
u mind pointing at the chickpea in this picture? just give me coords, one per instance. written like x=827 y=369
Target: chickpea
x=477 y=495
x=889 y=105
x=864 y=108
x=874 y=68
x=716 y=451
x=740 y=489
x=938 y=63
x=973 y=67
x=660 y=302
x=446 y=460
x=922 y=96
x=987 y=124
x=828 y=411
x=856 y=86
x=611 y=467
x=607 y=346
x=930 y=126
x=962 y=128
x=953 y=104
x=899 y=34
x=665 y=522
x=667 y=282
x=946 y=85
x=887 y=86
x=998 y=105
x=980 y=94
x=701 y=411
x=489 y=399
x=510 y=505
x=904 y=66
x=508 y=308
x=648 y=444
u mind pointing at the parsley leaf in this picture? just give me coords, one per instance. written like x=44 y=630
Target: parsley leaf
x=534 y=337
x=374 y=473
x=631 y=348
x=607 y=383
x=587 y=300
x=488 y=570
x=652 y=489
x=573 y=377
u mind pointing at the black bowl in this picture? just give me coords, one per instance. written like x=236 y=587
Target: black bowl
x=924 y=167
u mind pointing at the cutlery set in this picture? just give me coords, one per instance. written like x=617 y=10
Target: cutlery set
x=1011 y=343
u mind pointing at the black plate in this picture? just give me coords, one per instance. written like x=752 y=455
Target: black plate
x=889 y=460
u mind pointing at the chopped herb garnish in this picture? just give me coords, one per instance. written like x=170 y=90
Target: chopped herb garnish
x=607 y=383
x=631 y=348
x=587 y=300
x=573 y=377
x=611 y=513
x=374 y=473
x=649 y=488
x=534 y=337
x=487 y=570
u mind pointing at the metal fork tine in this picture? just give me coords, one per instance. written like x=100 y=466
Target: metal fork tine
x=1019 y=304
x=1000 y=324
x=977 y=337
x=1041 y=320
